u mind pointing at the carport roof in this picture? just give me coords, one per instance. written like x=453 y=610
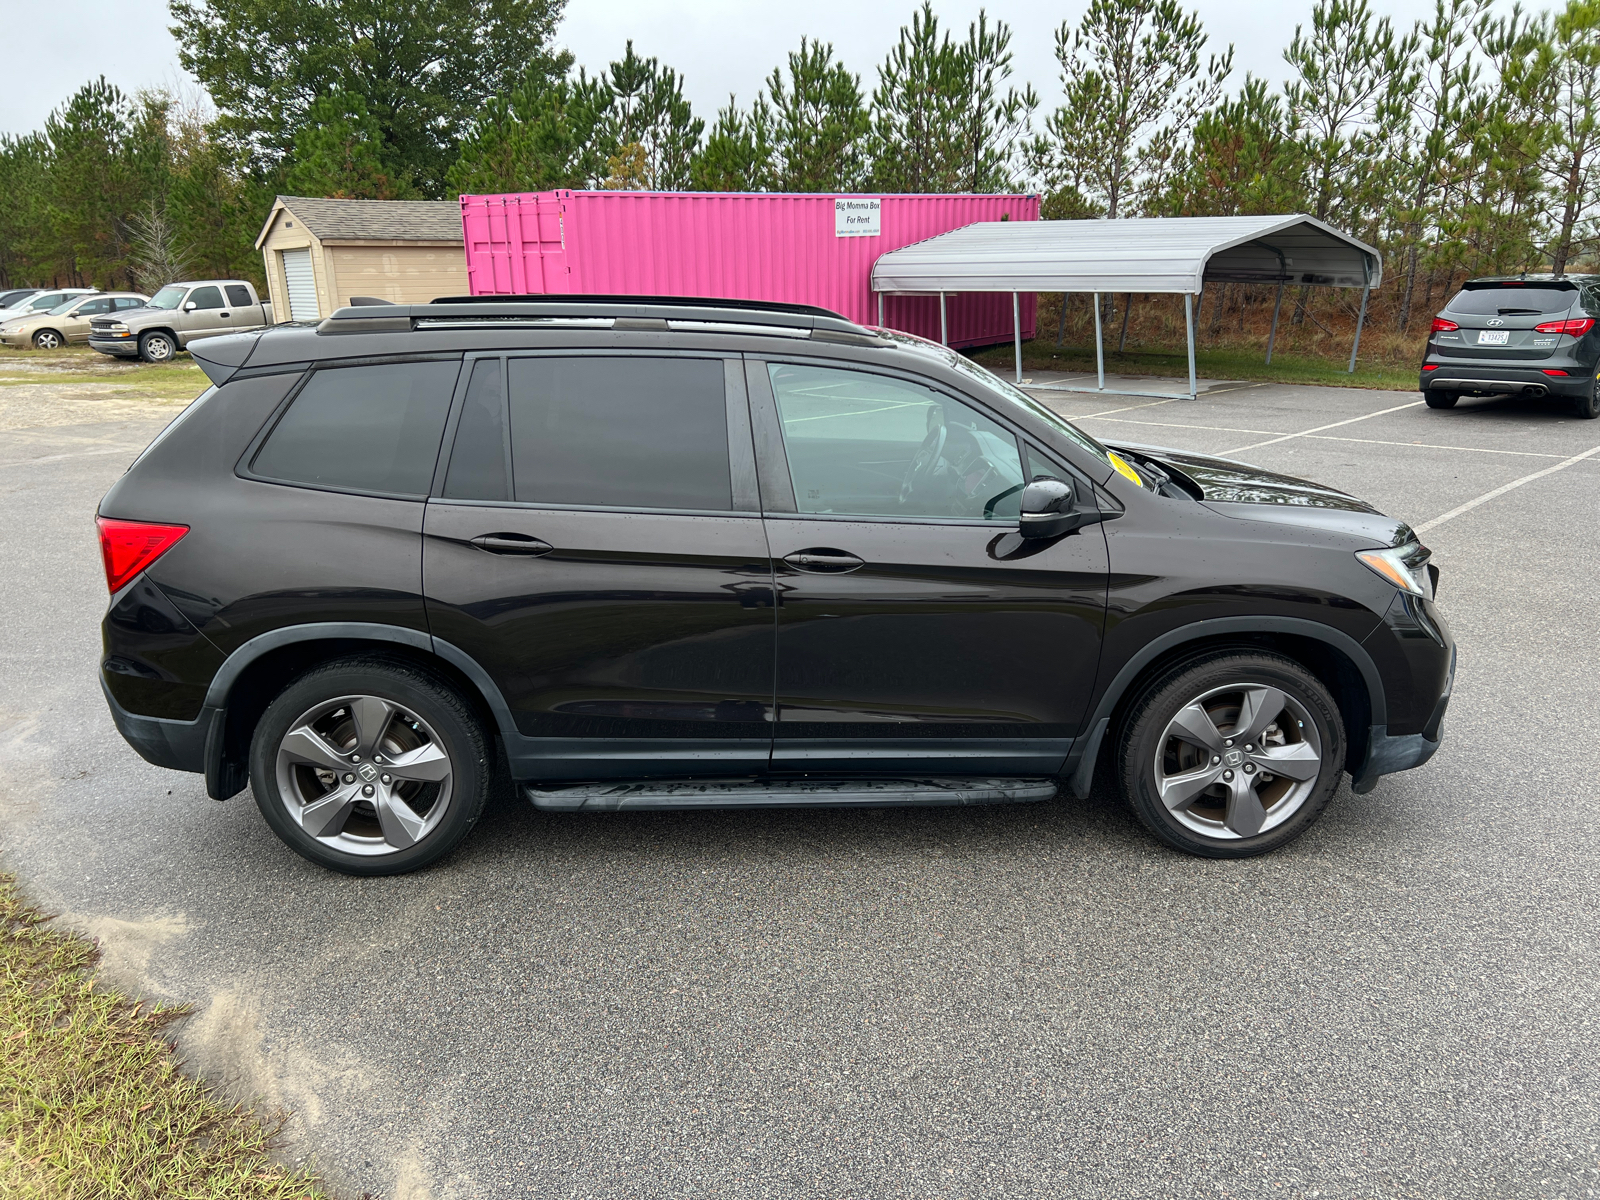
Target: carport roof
x=1147 y=254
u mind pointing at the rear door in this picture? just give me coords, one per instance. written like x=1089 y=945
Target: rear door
x=595 y=545
x=917 y=630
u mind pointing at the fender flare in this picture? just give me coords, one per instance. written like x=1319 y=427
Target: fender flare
x=217 y=694
x=1080 y=767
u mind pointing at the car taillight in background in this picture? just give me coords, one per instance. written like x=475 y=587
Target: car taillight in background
x=1577 y=327
x=128 y=547
x=1440 y=325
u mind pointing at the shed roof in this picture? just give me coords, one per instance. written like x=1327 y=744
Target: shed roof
x=372 y=220
x=1148 y=254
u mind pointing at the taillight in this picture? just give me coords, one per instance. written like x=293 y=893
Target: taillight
x=1577 y=327
x=1440 y=325
x=1430 y=366
x=1551 y=371
x=128 y=547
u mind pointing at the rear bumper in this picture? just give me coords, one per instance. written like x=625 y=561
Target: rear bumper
x=127 y=347
x=1505 y=381
x=177 y=745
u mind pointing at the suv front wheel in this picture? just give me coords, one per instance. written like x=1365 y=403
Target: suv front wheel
x=1233 y=755
x=370 y=767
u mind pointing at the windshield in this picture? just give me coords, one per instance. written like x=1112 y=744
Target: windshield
x=65 y=306
x=1506 y=299
x=995 y=386
x=168 y=297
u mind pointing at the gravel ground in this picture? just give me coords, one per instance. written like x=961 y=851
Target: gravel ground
x=1033 y=1001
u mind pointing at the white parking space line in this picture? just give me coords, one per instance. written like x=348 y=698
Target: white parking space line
x=1332 y=437
x=1177 y=425
x=50 y=458
x=1503 y=489
x=1332 y=425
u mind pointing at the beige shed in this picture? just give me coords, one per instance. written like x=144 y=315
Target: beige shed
x=319 y=253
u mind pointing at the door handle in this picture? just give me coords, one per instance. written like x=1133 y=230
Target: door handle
x=824 y=560
x=512 y=543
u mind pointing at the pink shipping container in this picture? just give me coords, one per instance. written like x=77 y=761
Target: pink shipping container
x=796 y=249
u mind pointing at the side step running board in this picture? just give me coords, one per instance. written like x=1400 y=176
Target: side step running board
x=791 y=793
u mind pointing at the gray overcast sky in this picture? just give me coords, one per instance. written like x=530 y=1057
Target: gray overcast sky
x=717 y=45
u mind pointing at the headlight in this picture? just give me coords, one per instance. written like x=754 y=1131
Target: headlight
x=1404 y=566
x=117 y=327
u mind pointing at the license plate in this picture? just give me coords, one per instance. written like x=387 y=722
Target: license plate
x=1493 y=337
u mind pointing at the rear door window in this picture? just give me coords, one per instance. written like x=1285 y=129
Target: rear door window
x=239 y=295
x=373 y=429
x=1512 y=299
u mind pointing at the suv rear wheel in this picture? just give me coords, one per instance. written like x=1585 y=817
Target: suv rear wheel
x=1441 y=399
x=370 y=767
x=1233 y=755
x=1587 y=406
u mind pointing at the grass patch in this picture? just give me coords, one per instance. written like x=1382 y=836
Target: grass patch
x=1043 y=354
x=92 y=1103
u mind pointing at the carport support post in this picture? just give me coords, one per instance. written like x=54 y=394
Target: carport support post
x=1016 y=330
x=1099 y=346
x=1360 y=321
x=1272 y=337
x=1188 y=320
x=944 y=324
x=880 y=310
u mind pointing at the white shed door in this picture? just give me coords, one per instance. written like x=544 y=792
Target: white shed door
x=302 y=285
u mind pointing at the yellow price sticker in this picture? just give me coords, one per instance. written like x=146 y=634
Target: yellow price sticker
x=1122 y=468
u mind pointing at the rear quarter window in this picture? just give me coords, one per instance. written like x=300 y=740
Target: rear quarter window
x=239 y=295
x=372 y=429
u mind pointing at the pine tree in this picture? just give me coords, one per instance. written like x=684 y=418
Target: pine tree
x=1134 y=87
x=654 y=133
x=737 y=155
x=545 y=134
x=819 y=123
x=339 y=153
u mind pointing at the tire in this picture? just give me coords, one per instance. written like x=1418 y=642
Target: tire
x=1440 y=399
x=1221 y=808
x=157 y=347
x=367 y=714
x=48 y=339
x=1587 y=406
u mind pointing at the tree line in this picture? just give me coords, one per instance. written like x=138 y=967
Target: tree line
x=1464 y=144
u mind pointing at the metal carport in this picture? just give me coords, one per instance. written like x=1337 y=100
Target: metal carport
x=1175 y=255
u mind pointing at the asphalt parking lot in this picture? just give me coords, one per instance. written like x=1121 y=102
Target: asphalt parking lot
x=1018 y=1001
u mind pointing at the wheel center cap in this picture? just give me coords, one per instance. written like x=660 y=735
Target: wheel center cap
x=1233 y=758
x=367 y=771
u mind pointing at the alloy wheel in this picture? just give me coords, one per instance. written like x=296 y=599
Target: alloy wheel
x=157 y=348
x=47 y=340
x=363 y=775
x=1238 y=761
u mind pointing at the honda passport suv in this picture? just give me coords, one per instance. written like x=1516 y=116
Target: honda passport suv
x=1531 y=336
x=640 y=554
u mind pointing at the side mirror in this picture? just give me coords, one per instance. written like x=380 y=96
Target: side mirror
x=1052 y=507
x=190 y=307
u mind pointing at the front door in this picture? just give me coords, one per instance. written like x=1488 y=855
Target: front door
x=596 y=547
x=917 y=631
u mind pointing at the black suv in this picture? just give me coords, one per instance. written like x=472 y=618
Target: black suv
x=685 y=554
x=1532 y=335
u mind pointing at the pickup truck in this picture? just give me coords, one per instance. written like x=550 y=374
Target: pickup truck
x=177 y=315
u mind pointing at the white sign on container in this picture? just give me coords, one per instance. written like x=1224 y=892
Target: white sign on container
x=857 y=216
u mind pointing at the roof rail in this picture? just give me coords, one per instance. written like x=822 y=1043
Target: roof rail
x=688 y=314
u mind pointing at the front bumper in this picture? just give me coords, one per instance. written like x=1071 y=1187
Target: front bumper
x=123 y=347
x=1388 y=753
x=15 y=339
